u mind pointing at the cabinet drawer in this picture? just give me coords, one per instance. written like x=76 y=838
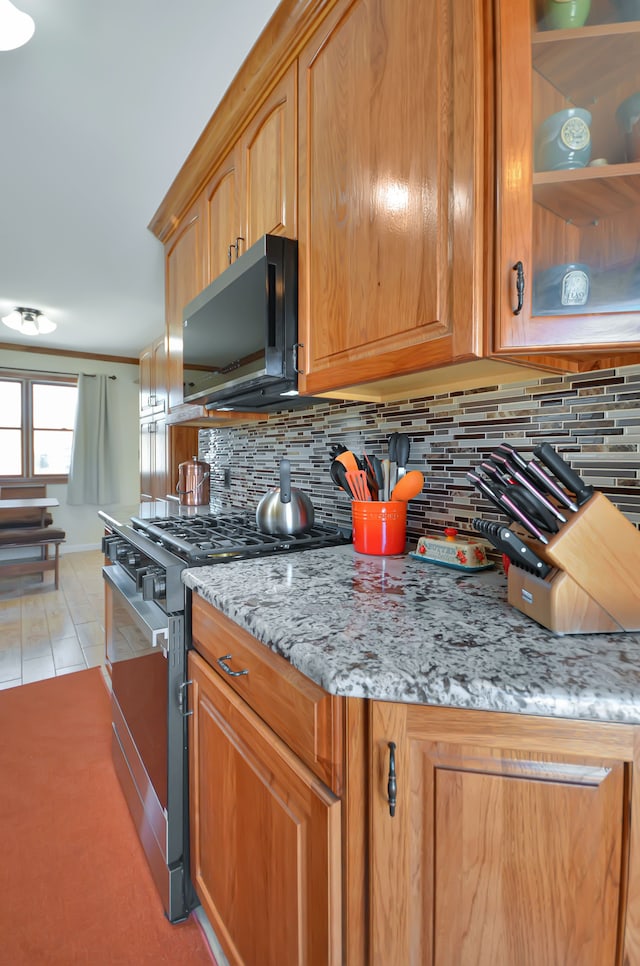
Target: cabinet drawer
x=307 y=718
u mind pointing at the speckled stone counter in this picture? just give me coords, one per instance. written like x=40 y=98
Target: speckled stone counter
x=398 y=629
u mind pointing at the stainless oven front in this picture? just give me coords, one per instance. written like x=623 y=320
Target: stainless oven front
x=146 y=652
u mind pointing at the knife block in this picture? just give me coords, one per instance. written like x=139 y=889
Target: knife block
x=595 y=587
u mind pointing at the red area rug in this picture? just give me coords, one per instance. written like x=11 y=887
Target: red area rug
x=74 y=884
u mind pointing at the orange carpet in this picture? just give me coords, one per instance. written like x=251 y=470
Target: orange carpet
x=74 y=884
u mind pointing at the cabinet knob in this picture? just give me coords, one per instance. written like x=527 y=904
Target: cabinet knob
x=392 y=787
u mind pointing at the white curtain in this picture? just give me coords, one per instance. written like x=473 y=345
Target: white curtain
x=93 y=475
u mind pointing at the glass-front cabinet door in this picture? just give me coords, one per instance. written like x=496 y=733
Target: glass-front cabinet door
x=568 y=175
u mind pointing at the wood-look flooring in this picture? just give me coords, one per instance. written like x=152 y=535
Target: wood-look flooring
x=45 y=632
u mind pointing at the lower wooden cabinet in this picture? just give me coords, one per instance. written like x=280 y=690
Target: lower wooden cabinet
x=265 y=835
x=509 y=843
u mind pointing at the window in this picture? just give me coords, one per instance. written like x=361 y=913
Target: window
x=37 y=417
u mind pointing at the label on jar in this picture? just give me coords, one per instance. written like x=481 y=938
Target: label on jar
x=575 y=133
x=575 y=288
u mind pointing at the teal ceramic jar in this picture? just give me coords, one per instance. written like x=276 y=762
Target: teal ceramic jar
x=564 y=14
x=563 y=141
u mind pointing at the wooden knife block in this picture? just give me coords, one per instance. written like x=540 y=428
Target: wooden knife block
x=596 y=586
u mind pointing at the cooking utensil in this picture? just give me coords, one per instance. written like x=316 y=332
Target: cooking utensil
x=564 y=473
x=408 y=486
x=357 y=482
x=339 y=476
x=349 y=460
x=386 y=476
x=399 y=449
x=285 y=510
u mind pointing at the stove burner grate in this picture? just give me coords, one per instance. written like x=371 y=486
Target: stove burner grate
x=208 y=538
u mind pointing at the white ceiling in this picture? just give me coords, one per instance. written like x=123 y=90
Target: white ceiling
x=98 y=112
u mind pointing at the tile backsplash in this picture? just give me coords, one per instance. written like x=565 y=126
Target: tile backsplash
x=593 y=420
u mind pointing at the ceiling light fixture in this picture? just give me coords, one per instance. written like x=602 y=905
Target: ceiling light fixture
x=29 y=321
x=16 y=27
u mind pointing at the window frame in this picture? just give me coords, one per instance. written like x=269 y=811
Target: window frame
x=28 y=379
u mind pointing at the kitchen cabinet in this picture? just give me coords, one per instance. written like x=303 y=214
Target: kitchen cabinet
x=265 y=830
x=153 y=380
x=391 y=197
x=185 y=258
x=509 y=843
x=153 y=458
x=568 y=200
x=253 y=191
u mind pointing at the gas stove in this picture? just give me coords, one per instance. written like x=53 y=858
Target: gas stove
x=209 y=539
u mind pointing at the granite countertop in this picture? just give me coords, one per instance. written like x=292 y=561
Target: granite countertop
x=398 y=629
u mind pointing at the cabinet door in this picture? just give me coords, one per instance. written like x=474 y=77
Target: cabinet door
x=391 y=182
x=265 y=835
x=569 y=178
x=494 y=856
x=153 y=378
x=222 y=215
x=185 y=257
x=268 y=151
x=153 y=459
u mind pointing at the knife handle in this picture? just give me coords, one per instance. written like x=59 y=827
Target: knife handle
x=546 y=453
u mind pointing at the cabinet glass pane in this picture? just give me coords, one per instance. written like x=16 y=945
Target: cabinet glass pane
x=586 y=156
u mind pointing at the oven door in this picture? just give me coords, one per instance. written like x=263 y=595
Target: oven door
x=146 y=651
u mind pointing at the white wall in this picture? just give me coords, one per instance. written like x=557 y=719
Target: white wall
x=81 y=523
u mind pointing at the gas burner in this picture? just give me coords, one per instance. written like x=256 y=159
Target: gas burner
x=209 y=539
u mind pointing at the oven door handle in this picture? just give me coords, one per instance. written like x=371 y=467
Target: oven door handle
x=149 y=618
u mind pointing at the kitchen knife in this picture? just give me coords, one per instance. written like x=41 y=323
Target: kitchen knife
x=522 y=517
x=487 y=490
x=528 y=504
x=509 y=543
x=523 y=554
x=564 y=473
x=523 y=479
x=546 y=482
x=538 y=476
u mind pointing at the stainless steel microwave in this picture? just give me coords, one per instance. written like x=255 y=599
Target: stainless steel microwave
x=240 y=335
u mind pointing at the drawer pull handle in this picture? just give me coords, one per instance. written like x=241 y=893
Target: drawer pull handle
x=183 y=699
x=392 y=787
x=222 y=661
x=519 y=270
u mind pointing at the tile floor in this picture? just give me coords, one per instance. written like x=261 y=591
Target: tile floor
x=45 y=632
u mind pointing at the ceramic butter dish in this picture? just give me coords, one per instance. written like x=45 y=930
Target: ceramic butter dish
x=465 y=554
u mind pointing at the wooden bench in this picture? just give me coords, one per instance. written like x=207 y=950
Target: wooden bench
x=25 y=523
x=14 y=538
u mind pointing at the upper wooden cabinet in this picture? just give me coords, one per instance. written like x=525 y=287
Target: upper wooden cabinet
x=268 y=151
x=568 y=203
x=391 y=190
x=222 y=215
x=153 y=392
x=185 y=256
x=252 y=191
